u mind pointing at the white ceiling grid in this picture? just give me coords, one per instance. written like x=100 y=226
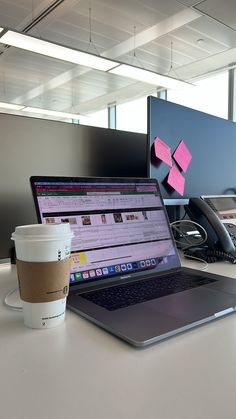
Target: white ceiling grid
x=32 y=80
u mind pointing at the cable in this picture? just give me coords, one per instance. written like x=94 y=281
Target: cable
x=193 y=244
x=12 y=307
x=205 y=266
x=219 y=255
x=189 y=240
x=209 y=255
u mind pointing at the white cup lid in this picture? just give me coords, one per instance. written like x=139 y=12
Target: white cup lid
x=42 y=232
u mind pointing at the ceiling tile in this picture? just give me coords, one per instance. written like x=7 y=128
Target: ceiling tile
x=223 y=11
x=40 y=81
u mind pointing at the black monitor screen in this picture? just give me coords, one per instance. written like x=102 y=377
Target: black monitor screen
x=210 y=140
x=32 y=146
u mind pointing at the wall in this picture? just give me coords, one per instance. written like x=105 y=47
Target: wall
x=30 y=146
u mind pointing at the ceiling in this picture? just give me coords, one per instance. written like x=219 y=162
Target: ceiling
x=184 y=39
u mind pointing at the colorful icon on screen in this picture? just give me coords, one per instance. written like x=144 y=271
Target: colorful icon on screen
x=92 y=273
x=78 y=276
x=99 y=272
x=72 y=278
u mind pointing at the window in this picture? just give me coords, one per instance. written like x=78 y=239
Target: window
x=96 y=119
x=132 y=116
x=209 y=95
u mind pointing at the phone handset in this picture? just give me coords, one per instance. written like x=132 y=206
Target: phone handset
x=218 y=237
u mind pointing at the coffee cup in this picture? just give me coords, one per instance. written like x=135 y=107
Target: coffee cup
x=43 y=269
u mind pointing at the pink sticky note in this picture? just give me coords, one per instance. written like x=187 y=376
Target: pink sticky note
x=176 y=180
x=182 y=156
x=162 y=151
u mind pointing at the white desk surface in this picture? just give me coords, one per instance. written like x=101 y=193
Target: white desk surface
x=78 y=370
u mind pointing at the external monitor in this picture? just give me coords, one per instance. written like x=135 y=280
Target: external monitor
x=31 y=146
x=211 y=141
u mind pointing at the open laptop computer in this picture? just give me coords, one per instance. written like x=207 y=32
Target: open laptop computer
x=126 y=275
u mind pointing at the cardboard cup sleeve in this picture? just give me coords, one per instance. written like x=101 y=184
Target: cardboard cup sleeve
x=42 y=282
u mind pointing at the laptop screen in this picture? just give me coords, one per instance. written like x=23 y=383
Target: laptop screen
x=120 y=225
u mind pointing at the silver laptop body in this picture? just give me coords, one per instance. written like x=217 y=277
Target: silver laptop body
x=126 y=275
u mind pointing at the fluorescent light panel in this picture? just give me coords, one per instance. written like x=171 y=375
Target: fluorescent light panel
x=51 y=113
x=12 y=106
x=149 y=77
x=49 y=49
x=59 y=52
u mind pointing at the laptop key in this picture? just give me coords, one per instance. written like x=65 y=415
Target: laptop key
x=120 y=296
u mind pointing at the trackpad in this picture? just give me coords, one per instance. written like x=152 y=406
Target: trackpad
x=193 y=305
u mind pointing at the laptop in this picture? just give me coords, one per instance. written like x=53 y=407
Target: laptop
x=126 y=275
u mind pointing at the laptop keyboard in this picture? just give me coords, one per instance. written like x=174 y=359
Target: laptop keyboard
x=120 y=296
